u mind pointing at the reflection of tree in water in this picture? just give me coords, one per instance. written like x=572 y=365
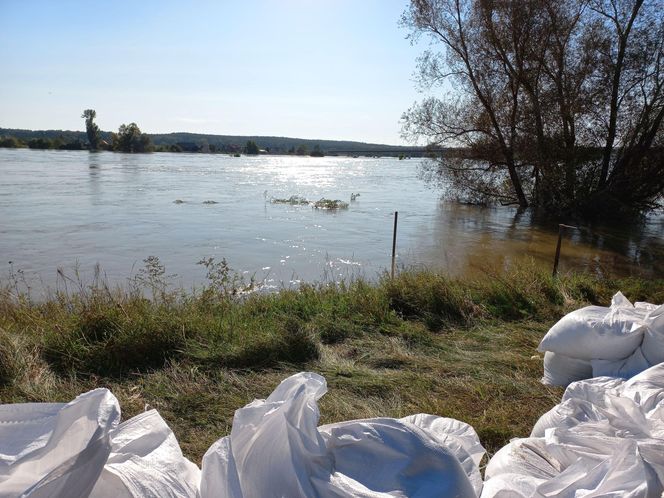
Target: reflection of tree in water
x=93 y=175
x=466 y=239
x=640 y=243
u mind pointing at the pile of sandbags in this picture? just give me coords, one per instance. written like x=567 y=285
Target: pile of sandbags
x=79 y=449
x=619 y=341
x=606 y=438
x=275 y=449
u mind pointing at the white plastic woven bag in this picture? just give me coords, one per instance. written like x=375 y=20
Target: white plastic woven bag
x=55 y=449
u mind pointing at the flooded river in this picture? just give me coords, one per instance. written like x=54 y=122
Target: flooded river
x=73 y=209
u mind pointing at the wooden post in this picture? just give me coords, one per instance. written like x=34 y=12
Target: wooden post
x=394 y=242
x=557 y=258
x=561 y=227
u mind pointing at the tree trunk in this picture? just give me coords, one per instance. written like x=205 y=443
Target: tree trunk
x=615 y=88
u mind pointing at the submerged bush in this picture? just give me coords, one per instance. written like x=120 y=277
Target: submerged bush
x=330 y=204
x=296 y=200
x=293 y=200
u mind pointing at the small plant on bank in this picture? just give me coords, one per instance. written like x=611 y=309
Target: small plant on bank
x=222 y=280
x=153 y=277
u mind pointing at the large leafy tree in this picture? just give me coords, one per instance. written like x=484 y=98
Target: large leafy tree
x=251 y=148
x=91 y=128
x=558 y=104
x=129 y=138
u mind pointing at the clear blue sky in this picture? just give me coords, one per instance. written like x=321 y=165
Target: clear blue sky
x=337 y=69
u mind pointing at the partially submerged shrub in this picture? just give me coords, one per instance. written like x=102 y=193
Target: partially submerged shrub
x=297 y=200
x=330 y=204
x=293 y=200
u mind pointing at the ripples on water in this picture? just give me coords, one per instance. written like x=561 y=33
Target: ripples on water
x=69 y=208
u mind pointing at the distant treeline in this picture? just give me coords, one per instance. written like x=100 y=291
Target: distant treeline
x=60 y=142
x=205 y=143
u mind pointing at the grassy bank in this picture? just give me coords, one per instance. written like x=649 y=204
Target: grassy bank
x=419 y=343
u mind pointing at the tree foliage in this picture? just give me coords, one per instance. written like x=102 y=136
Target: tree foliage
x=557 y=103
x=10 y=142
x=251 y=148
x=130 y=139
x=91 y=128
x=317 y=152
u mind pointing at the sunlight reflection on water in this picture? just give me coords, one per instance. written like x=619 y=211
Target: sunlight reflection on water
x=68 y=208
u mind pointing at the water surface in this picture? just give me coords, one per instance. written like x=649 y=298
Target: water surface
x=67 y=209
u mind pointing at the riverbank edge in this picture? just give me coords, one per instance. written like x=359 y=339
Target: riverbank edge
x=421 y=342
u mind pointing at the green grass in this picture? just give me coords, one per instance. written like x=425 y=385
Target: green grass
x=422 y=342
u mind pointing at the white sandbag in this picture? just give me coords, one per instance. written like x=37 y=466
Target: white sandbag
x=275 y=450
x=561 y=370
x=625 y=368
x=645 y=307
x=596 y=332
x=146 y=462
x=618 y=416
x=567 y=414
x=619 y=471
x=653 y=339
x=55 y=449
x=456 y=436
x=606 y=438
x=386 y=457
x=565 y=464
x=523 y=456
x=646 y=388
x=449 y=429
x=620 y=301
x=594 y=389
x=511 y=486
x=219 y=477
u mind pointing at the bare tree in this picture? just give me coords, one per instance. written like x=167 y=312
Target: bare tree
x=558 y=103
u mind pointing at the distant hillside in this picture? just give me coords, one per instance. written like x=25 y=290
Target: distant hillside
x=198 y=142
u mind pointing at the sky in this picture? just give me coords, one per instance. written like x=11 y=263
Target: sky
x=326 y=69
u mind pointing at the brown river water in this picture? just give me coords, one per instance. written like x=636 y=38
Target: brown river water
x=74 y=209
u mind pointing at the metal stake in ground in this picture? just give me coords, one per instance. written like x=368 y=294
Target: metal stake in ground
x=561 y=227
x=394 y=241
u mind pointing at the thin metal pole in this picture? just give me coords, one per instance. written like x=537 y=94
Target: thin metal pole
x=394 y=241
